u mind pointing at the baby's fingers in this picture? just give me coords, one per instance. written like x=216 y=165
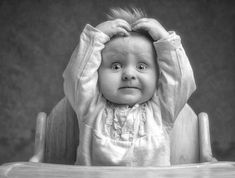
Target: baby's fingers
x=152 y=26
x=140 y=26
x=143 y=24
x=123 y=24
x=121 y=31
x=139 y=21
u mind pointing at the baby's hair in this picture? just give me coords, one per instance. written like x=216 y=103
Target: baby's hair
x=130 y=15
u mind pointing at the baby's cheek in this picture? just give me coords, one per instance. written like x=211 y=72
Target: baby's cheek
x=106 y=83
x=151 y=86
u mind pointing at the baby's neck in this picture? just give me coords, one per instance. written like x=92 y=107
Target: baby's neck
x=123 y=105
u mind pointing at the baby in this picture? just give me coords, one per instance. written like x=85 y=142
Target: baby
x=127 y=81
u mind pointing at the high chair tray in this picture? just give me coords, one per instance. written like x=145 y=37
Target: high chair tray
x=40 y=170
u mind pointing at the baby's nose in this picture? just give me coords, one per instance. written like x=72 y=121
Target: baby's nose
x=128 y=74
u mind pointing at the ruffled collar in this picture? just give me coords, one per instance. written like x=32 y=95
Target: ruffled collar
x=123 y=107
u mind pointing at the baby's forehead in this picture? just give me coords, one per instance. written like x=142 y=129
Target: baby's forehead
x=134 y=43
x=133 y=36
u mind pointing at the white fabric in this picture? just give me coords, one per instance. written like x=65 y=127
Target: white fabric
x=137 y=136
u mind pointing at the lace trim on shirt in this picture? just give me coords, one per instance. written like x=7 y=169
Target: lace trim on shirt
x=125 y=123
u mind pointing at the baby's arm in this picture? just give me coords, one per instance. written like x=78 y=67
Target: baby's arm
x=80 y=76
x=176 y=80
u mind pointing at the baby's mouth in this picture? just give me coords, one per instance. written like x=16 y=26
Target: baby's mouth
x=129 y=87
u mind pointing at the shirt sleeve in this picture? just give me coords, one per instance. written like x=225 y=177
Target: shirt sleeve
x=176 y=80
x=80 y=75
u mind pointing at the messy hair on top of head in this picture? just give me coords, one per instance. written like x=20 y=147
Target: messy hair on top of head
x=130 y=15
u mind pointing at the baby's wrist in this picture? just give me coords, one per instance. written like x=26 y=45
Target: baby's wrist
x=101 y=29
x=164 y=35
x=94 y=33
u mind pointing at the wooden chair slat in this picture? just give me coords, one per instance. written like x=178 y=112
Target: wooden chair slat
x=62 y=137
x=40 y=134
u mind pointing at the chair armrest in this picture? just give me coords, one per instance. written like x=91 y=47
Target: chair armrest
x=204 y=139
x=40 y=134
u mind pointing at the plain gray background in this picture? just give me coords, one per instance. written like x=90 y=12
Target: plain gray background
x=37 y=38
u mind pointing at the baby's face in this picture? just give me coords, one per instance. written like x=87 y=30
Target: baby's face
x=128 y=72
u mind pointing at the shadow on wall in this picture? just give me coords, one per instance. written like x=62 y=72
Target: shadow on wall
x=38 y=37
x=224 y=153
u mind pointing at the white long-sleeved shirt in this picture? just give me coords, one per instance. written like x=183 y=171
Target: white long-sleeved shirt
x=114 y=135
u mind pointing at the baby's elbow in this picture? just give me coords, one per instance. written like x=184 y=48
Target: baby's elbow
x=190 y=85
x=192 y=82
x=189 y=79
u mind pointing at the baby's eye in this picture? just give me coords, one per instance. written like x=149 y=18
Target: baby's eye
x=116 y=66
x=141 y=66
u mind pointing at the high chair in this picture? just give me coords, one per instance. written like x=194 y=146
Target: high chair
x=57 y=136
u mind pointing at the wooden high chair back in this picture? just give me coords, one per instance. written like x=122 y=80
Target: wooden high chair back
x=57 y=136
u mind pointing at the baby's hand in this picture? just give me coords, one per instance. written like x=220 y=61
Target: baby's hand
x=115 y=27
x=152 y=26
